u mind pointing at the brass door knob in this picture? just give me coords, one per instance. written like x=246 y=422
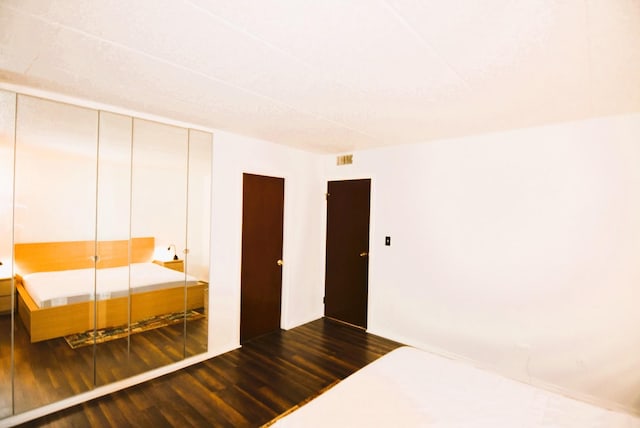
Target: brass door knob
x=364 y=254
x=280 y=262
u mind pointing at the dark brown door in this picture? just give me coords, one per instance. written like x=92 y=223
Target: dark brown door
x=347 y=262
x=261 y=271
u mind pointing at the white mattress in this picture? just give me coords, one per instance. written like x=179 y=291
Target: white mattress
x=50 y=289
x=413 y=388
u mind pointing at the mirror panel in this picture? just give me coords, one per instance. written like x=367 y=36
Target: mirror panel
x=54 y=230
x=159 y=206
x=7 y=127
x=197 y=260
x=75 y=183
x=112 y=268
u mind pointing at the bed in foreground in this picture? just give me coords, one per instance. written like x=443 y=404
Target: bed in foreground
x=410 y=388
x=61 y=293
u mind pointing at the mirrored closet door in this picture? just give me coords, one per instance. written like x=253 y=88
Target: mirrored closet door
x=54 y=241
x=198 y=220
x=106 y=223
x=113 y=228
x=159 y=212
x=7 y=294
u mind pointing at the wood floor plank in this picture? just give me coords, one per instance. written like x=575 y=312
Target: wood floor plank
x=247 y=387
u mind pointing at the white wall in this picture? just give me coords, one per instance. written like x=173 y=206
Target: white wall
x=519 y=251
x=303 y=268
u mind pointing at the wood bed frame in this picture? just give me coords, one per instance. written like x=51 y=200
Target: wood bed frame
x=58 y=321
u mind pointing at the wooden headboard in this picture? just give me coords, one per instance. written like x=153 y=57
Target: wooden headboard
x=54 y=256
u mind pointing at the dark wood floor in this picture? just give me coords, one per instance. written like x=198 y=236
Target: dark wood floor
x=247 y=387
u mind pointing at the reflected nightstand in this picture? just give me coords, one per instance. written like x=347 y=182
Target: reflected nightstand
x=171 y=264
x=6 y=288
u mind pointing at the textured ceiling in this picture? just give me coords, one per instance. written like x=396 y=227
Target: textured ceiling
x=334 y=75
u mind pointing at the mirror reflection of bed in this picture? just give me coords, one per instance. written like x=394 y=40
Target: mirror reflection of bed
x=60 y=293
x=45 y=318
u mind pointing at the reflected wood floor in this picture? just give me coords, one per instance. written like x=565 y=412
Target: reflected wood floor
x=50 y=370
x=247 y=387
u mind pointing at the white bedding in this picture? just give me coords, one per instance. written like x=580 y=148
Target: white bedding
x=413 y=388
x=50 y=289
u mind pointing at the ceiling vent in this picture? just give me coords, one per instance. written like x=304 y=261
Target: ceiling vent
x=344 y=160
